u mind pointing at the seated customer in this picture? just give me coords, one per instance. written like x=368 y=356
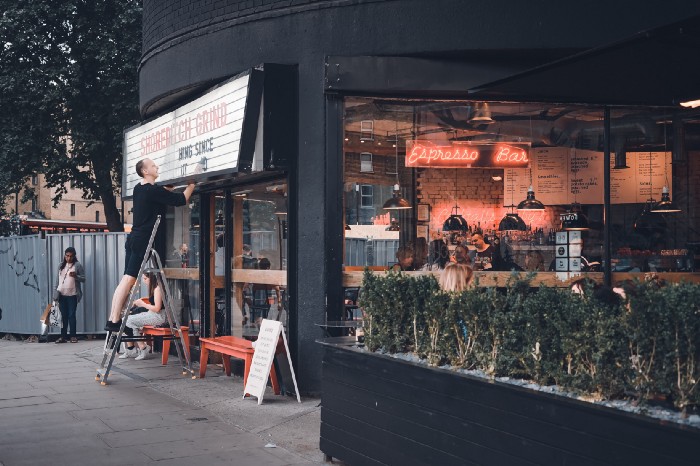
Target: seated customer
x=438 y=255
x=421 y=253
x=266 y=297
x=485 y=256
x=462 y=255
x=404 y=255
x=151 y=316
x=456 y=277
x=534 y=261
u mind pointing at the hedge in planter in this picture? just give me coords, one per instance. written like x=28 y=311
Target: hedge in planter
x=645 y=345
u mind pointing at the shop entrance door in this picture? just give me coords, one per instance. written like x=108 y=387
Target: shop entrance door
x=248 y=251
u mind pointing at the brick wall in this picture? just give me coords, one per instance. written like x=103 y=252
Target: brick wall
x=83 y=212
x=478 y=196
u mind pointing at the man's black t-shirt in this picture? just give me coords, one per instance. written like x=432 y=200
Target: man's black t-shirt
x=150 y=201
x=485 y=259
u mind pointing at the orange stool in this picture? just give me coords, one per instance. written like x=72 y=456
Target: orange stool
x=166 y=333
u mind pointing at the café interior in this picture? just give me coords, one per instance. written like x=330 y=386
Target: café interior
x=531 y=177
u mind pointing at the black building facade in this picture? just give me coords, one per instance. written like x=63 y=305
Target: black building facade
x=317 y=52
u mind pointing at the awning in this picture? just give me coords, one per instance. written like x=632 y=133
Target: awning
x=409 y=76
x=659 y=67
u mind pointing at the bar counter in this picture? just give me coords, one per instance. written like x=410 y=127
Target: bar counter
x=554 y=279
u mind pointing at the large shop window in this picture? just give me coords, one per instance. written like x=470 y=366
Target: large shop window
x=527 y=179
x=259 y=261
x=182 y=261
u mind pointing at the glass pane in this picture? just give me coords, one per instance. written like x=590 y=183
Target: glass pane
x=182 y=261
x=259 y=257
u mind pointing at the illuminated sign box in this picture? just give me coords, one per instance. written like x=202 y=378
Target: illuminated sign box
x=216 y=131
x=467 y=154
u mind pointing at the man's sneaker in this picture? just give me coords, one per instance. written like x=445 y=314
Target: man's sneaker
x=143 y=353
x=129 y=352
x=113 y=326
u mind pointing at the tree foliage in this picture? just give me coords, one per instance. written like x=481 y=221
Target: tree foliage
x=68 y=89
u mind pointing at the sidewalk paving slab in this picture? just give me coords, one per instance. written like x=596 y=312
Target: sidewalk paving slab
x=52 y=411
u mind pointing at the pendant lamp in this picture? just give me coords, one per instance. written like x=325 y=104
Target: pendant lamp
x=512 y=221
x=648 y=223
x=665 y=205
x=482 y=114
x=396 y=202
x=530 y=203
x=394 y=226
x=575 y=219
x=455 y=223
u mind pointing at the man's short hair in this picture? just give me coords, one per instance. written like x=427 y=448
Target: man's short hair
x=139 y=168
x=404 y=252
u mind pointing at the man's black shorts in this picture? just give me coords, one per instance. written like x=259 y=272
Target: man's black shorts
x=135 y=251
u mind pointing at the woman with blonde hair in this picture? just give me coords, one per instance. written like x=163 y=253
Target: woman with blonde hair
x=456 y=277
x=148 y=312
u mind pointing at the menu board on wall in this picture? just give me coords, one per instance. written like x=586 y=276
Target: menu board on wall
x=550 y=175
x=561 y=176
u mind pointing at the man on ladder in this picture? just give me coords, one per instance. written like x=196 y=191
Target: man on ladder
x=149 y=206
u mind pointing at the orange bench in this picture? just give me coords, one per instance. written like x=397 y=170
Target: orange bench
x=240 y=348
x=165 y=332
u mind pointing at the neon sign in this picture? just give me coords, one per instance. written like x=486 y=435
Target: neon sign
x=465 y=154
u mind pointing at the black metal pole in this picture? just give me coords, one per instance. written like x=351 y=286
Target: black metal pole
x=607 y=266
x=228 y=248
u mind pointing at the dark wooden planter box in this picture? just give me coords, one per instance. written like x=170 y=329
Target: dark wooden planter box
x=381 y=410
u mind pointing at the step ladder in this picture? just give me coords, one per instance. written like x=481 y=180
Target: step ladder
x=151 y=263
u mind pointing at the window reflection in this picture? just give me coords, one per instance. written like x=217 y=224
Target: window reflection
x=182 y=261
x=259 y=261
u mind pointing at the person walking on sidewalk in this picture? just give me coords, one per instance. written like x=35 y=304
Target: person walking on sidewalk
x=149 y=201
x=149 y=314
x=68 y=292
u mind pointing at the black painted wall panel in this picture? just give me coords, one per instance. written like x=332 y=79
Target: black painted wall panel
x=394 y=404
x=190 y=45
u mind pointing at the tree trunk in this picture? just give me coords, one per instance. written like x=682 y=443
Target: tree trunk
x=114 y=220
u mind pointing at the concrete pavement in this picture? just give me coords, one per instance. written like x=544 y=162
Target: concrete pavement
x=53 y=412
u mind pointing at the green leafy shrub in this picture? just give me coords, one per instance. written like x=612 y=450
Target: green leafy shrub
x=592 y=343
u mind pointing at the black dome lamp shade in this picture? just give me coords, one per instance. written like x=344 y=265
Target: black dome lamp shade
x=574 y=219
x=530 y=203
x=455 y=223
x=665 y=205
x=396 y=202
x=512 y=222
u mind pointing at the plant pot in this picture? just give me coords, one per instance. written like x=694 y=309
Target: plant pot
x=380 y=410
